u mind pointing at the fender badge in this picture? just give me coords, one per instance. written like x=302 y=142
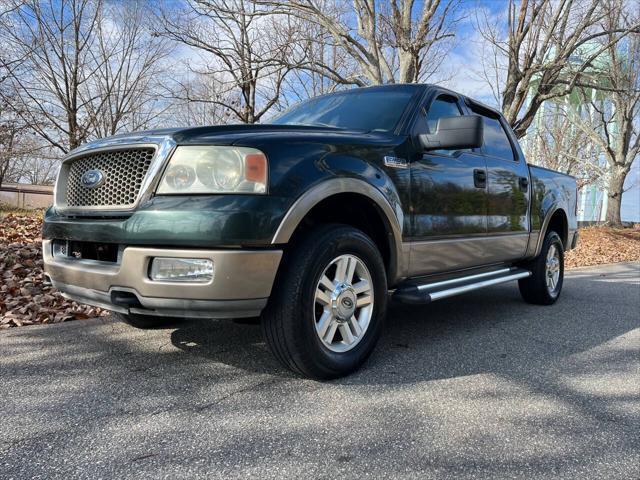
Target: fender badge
x=395 y=162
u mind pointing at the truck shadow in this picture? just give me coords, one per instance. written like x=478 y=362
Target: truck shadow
x=491 y=330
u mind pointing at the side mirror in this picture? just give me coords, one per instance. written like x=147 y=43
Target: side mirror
x=455 y=133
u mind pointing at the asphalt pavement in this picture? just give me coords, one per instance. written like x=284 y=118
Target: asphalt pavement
x=476 y=386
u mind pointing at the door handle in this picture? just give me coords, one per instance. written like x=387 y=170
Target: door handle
x=479 y=178
x=524 y=183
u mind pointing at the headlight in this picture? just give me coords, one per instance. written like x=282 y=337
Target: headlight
x=215 y=169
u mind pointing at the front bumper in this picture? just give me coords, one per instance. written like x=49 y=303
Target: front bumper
x=240 y=287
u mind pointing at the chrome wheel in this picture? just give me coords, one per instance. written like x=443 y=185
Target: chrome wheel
x=552 y=272
x=343 y=303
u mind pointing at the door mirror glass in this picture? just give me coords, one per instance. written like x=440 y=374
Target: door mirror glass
x=455 y=133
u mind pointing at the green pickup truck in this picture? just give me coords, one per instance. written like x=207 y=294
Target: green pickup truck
x=311 y=222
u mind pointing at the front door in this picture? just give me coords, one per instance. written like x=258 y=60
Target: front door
x=448 y=199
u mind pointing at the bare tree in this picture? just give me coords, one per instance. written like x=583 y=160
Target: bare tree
x=34 y=167
x=323 y=68
x=187 y=107
x=613 y=122
x=87 y=68
x=16 y=141
x=10 y=134
x=55 y=38
x=17 y=145
x=249 y=52
x=388 y=42
x=418 y=43
x=559 y=144
x=131 y=62
x=548 y=50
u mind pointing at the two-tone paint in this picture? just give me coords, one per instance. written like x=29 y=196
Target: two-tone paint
x=436 y=219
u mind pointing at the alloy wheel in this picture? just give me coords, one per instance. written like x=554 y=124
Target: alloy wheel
x=552 y=270
x=343 y=303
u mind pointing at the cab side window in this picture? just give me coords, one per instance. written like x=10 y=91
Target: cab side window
x=496 y=142
x=441 y=107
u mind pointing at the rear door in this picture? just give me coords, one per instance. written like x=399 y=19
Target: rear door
x=448 y=198
x=508 y=189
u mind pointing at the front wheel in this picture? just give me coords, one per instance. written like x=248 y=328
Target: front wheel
x=544 y=285
x=327 y=308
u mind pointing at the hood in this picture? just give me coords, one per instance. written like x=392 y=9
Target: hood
x=258 y=136
x=241 y=133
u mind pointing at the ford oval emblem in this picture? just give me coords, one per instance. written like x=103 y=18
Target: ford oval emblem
x=92 y=179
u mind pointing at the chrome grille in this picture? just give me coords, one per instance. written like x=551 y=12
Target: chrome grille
x=124 y=171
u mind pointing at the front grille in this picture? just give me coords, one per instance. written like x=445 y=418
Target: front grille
x=123 y=171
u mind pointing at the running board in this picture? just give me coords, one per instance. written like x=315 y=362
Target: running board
x=429 y=292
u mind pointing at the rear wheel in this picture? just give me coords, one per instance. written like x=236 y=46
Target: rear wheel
x=543 y=287
x=327 y=308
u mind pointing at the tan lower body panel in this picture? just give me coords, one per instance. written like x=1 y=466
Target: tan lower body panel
x=242 y=280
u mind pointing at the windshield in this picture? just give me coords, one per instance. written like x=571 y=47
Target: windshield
x=355 y=109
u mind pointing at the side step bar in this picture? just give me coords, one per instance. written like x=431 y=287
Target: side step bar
x=429 y=292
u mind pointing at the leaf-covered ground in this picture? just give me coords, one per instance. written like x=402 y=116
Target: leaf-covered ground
x=25 y=299
x=605 y=245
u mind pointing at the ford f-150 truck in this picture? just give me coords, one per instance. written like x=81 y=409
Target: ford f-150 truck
x=312 y=222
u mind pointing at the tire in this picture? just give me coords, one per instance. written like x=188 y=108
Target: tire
x=298 y=313
x=145 y=322
x=536 y=289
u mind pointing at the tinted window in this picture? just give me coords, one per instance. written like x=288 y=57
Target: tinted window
x=441 y=107
x=496 y=142
x=356 y=109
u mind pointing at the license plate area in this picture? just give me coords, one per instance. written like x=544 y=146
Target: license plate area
x=76 y=250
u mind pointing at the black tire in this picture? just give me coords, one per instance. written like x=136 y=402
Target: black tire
x=289 y=323
x=146 y=322
x=534 y=289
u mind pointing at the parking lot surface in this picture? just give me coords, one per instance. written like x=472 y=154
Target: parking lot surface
x=476 y=386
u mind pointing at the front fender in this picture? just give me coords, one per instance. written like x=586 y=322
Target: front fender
x=390 y=208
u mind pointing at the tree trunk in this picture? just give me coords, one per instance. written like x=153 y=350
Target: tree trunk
x=408 y=67
x=616 y=185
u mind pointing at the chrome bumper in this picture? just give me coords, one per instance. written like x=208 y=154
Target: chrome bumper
x=240 y=287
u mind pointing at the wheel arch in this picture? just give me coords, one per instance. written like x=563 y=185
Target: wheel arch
x=557 y=221
x=336 y=201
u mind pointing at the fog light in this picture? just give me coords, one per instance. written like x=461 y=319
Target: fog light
x=181 y=270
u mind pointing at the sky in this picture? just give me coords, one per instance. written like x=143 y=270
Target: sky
x=630 y=209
